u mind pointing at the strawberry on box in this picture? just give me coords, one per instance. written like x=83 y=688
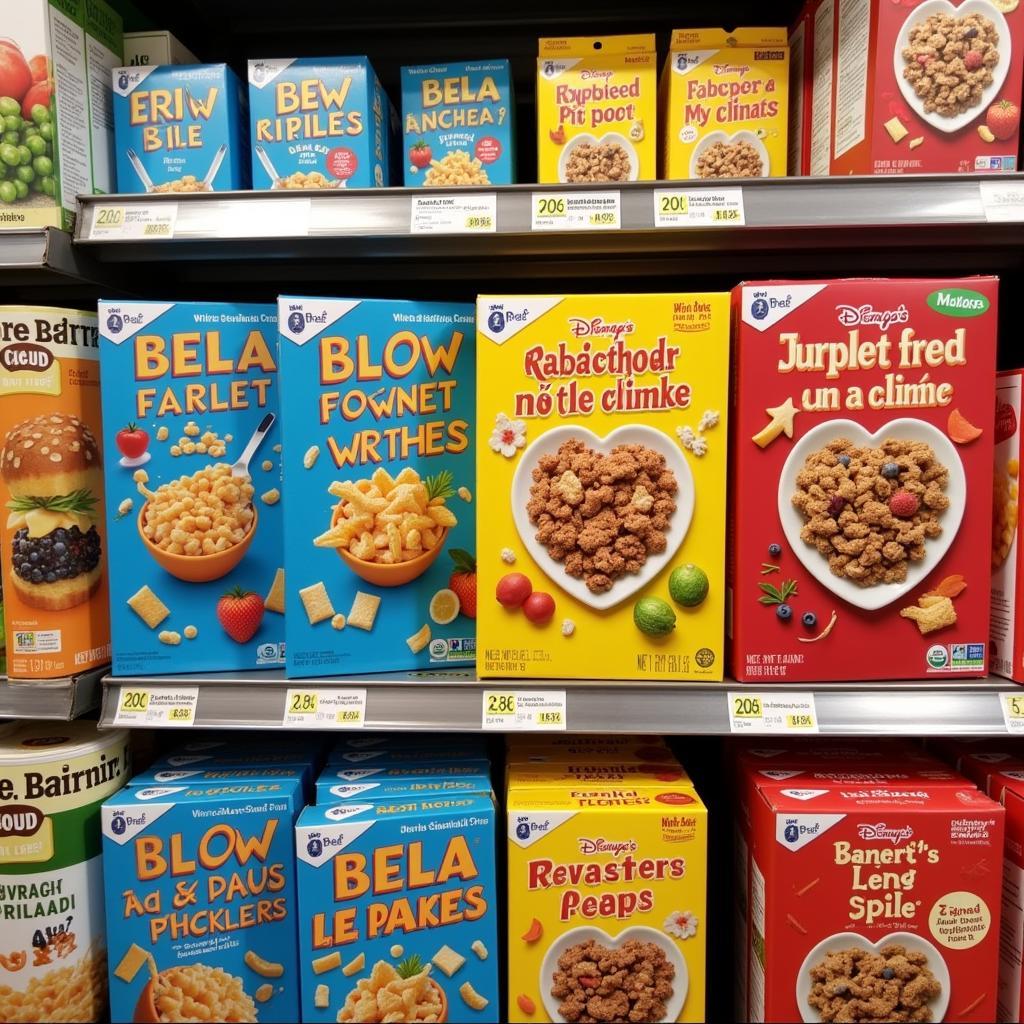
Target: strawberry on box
x=861 y=479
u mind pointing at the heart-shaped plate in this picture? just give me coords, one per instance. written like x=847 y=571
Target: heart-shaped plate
x=610 y=138
x=742 y=136
x=588 y=933
x=625 y=586
x=925 y=11
x=881 y=594
x=845 y=940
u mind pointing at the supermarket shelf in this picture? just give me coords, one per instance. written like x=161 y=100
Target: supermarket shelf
x=42 y=257
x=453 y=702
x=938 y=216
x=57 y=699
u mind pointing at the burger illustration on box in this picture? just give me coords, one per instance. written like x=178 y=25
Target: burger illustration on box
x=51 y=465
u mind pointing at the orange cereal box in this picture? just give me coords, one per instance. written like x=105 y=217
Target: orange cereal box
x=596 y=109
x=1007 y=625
x=51 y=480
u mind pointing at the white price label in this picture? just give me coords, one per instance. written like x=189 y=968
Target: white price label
x=269 y=218
x=157 y=707
x=136 y=220
x=575 y=211
x=1013 y=712
x=1002 y=201
x=690 y=208
x=791 y=713
x=524 y=710
x=319 y=708
x=454 y=215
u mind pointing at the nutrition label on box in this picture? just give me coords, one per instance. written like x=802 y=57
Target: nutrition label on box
x=792 y=713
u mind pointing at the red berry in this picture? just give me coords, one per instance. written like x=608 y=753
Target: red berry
x=539 y=607
x=836 y=506
x=513 y=589
x=903 y=504
x=463 y=581
x=973 y=60
x=240 y=613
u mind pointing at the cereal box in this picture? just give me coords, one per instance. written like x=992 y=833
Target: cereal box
x=457 y=124
x=55 y=102
x=54 y=541
x=612 y=874
x=601 y=466
x=161 y=775
x=1007 y=627
x=415 y=784
x=337 y=782
x=801 y=70
x=201 y=901
x=420 y=753
x=193 y=477
x=397 y=905
x=597 y=101
x=861 y=479
x=179 y=128
x=319 y=123
x=1010 y=1006
x=380 y=540
x=873 y=903
x=923 y=86
x=723 y=104
x=142 y=49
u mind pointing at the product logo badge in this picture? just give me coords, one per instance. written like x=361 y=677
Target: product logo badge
x=759 y=309
x=118 y=825
x=791 y=833
x=496 y=321
x=296 y=322
x=937 y=657
x=314 y=847
x=115 y=324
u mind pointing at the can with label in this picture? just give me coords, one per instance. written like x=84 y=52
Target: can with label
x=53 y=778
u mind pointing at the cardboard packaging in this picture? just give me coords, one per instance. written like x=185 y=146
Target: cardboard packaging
x=1007 y=629
x=147 y=49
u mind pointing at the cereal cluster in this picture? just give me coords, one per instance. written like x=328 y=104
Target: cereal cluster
x=75 y=992
x=1005 y=511
x=630 y=983
x=730 y=160
x=861 y=985
x=869 y=511
x=186 y=183
x=602 y=514
x=197 y=992
x=201 y=514
x=385 y=995
x=456 y=168
x=949 y=61
x=605 y=161
x=300 y=179
x=208 y=443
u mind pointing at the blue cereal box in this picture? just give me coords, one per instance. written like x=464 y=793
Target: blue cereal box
x=443 y=780
x=201 y=901
x=179 y=128
x=193 y=479
x=319 y=122
x=397 y=910
x=457 y=124
x=378 y=402
x=162 y=775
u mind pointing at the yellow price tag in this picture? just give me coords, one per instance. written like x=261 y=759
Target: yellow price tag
x=727 y=215
x=109 y=217
x=182 y=714
x=479 y=223
x=799 y=721
x=134 y=700
x=303 y=702
x=501 y=704
x=549 y=718
x=747 y=707
x=351 y=715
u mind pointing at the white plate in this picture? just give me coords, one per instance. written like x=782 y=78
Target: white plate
x=609 y=137
x=680 y=983
x=625 y=586
x=925 y=11
x=881 y=594
x=743 y=136
x=844 y=940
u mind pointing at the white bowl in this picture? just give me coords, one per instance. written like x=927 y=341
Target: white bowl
x=625 y=586
x=742 y=136
x=926 y=10
x=586 y=933
x=844 y=940
x=881 y=594
x=608 y=137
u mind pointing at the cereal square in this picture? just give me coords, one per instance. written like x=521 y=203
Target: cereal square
x=317 y=603
x=274 y=601
x=364 y=610
x=148 y=607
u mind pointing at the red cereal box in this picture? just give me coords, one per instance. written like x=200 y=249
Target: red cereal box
x=861 y=479
x=874 y=903
x=919 y=86
x=1012 y=933
x=1007 y=631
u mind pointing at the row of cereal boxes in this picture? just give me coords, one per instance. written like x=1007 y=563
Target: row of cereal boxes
x=325 y=517
x=870 y=881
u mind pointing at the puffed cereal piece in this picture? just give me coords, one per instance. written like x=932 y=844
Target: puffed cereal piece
x=190 y=632
x=169 y=636
x=271 y=497
x=162 y=433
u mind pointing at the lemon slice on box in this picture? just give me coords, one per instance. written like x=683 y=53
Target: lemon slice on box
x=444 y=606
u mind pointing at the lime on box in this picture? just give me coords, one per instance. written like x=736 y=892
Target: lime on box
x=688 y=585
x=654 y=616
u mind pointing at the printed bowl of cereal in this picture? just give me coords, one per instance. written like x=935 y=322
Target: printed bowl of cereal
x=871 y=515
x=902 y=975
x=199 y=527
x=939 y=80
x=657 y=978
x=571 y=524
x=194 y=992
x=721 y=155
x=589 y=159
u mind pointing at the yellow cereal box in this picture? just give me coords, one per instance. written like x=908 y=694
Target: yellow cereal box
x=724 y=104
x=607 y=889
x=601 y=475
x=596 y=109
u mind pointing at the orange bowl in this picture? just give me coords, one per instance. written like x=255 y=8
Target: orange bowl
x=442 y=1017
x=145 y=1008
x=390 y=575
x=199 y=568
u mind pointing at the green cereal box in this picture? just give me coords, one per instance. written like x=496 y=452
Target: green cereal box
x=397 y=914
x=201 y=904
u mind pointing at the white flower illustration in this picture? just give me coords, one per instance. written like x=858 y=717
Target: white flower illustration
x=508 y=435
x=708 y=420
x=682 y=924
